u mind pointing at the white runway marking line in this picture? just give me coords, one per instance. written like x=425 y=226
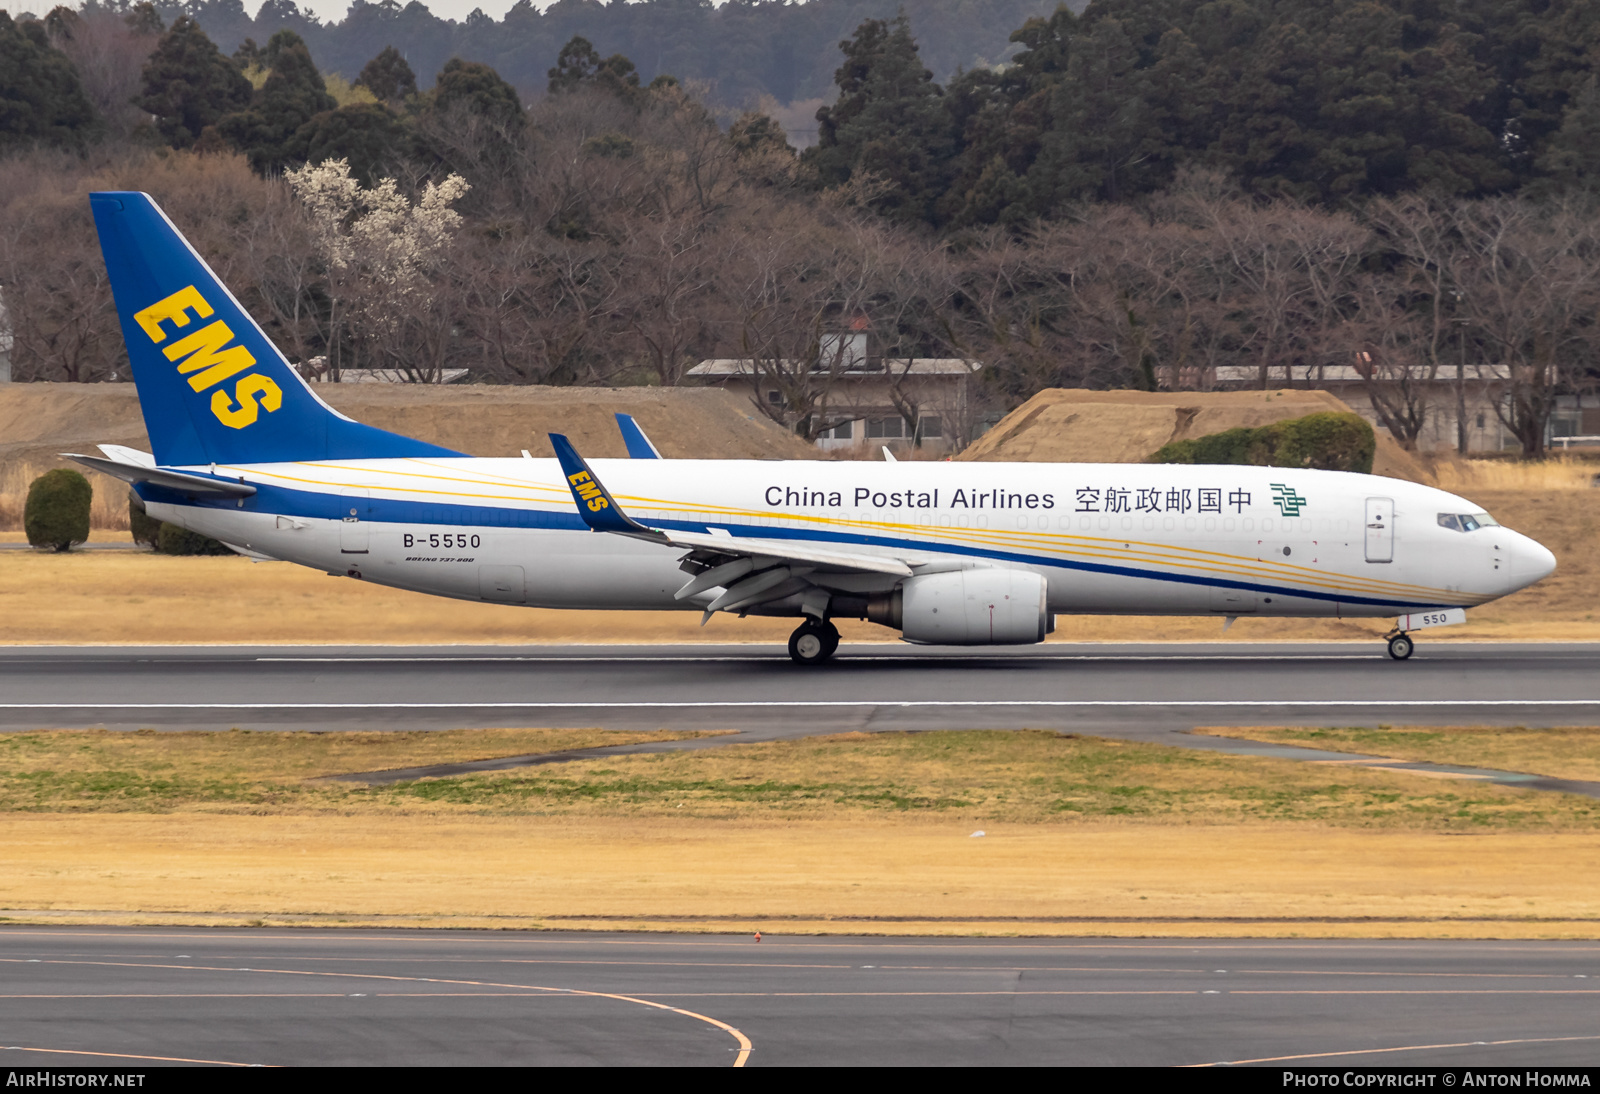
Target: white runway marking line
x=778 y=658
x=533 y=990
x=676 y=704
x=1401 y=1048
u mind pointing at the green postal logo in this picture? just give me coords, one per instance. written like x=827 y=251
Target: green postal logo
x=1288 y=502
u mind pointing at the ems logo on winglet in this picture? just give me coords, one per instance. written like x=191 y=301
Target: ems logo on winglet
x=207 y=359
x=588 y=490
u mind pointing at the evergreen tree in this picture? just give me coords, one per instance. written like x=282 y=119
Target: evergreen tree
x=388 y=77
x=753 y=133
x=1572 y=159
x=1001 y=119
x=269 y=132
x=579 y=65
x=889 y=120
x=1345 y=99
x=143 y=18
x=189 y=84
x=1105 y=139
x=365 y=134
x=42 y=100
x=479 y=90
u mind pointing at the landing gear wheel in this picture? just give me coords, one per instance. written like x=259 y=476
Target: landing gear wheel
x=1401 y=647
x=812 y=642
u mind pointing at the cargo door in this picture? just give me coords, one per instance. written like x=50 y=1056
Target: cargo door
x=1380 y=529
x=354 y=507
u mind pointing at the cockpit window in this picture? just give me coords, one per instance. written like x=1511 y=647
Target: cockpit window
x=1467 y=522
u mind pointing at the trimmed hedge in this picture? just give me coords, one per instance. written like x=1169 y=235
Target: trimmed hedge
x=1328 y=441
x=168 y=539
x=141 y=525
x=173 y=540
x=56 y=514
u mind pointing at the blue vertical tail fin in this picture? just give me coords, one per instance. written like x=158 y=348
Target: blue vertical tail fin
x=213 y=387
x=639 y=446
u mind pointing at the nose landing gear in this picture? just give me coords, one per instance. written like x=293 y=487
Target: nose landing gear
x=1401 y=646
x=813 y=642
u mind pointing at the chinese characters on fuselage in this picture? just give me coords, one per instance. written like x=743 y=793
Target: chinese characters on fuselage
x=1088 y=499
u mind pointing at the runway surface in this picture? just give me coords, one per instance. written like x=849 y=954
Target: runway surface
x=167 y=996
x=1148 y=691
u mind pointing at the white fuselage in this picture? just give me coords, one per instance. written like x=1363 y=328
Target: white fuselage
x=1107 y=538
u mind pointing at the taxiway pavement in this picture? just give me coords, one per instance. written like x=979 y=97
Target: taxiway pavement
x=139 y=997
x=1148 y=691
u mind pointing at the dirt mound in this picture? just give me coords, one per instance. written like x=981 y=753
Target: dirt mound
x=1069 y=425
x=38 y=421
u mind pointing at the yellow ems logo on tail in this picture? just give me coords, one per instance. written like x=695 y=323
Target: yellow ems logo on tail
x=207 y=359
x=588 y=490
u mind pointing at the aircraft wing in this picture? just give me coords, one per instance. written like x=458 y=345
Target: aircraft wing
x=750 y=571
x=788 y=551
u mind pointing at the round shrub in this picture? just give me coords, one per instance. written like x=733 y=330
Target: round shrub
x=1328 y=441
x=57 y=511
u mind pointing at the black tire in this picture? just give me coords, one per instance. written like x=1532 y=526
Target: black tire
x=813 y=643
x=832 y=635
x=1401 y=647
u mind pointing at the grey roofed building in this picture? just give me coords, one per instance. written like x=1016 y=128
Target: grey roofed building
x=855 y=399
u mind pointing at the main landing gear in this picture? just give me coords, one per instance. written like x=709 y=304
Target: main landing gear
x=813 y=642
x=1401 y=646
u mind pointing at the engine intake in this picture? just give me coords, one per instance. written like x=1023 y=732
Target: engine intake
x=988 y=607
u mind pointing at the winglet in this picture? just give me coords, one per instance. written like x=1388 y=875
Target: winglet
x=639 y=446
x=596 y=506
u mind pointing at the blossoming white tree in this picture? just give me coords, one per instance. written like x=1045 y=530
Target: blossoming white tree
x=379 y=249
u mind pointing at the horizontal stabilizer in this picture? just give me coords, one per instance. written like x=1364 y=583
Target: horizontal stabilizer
x=197 y=486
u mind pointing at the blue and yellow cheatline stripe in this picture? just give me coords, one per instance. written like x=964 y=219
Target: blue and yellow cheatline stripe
x=1122 y=556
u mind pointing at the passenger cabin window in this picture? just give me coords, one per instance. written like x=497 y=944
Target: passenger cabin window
x=1467 y=522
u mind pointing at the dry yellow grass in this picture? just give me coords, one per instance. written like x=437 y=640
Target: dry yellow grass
x=144 y=770
x=849 y=834
x=933 y=877
x=979 y=777
x=1563 y=752
x=1558 y=473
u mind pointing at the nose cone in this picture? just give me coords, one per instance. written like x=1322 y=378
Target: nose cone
x=1530 y=561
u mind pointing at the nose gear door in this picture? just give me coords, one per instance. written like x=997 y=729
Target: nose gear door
x=1380 y=529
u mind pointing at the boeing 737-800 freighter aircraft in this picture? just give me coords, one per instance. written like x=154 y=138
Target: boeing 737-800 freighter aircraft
x=947 y=554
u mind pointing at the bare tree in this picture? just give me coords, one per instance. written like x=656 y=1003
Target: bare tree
x=1530 y=276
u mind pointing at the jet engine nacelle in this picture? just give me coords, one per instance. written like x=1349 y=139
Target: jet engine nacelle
x=982 y=607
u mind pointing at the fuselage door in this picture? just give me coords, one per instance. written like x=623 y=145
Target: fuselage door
x=353 y=508
x=1380 y=529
